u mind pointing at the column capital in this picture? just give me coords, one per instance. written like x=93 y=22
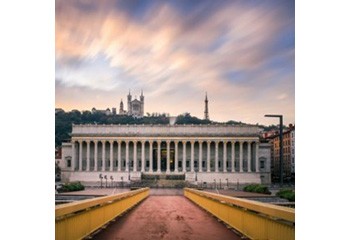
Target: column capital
x=80 y=141
x=168 y=141
x=143 y=142
x=192 y=142
x=111 y=141
x=176 y=141
x=135 y=141
x=159 y=141
x=103 y=141
x=88 y=141
x=200 y=141
x=224 y=141
x=184 y=142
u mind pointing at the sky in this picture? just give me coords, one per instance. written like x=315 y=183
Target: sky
x=241 y=53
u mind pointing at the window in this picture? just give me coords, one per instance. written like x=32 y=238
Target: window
x=69 y=163
x=262 y=164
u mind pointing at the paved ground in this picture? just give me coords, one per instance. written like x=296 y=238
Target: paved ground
x=166 y=217
x=240 y=194
x=110 y=191
x=97 y=191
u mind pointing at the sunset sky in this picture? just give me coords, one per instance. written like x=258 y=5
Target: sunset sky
x=240 y=52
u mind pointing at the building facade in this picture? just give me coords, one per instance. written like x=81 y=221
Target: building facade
x=288 y=155
x=206 y=153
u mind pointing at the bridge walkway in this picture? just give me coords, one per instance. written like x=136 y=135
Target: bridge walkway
x=166 y=217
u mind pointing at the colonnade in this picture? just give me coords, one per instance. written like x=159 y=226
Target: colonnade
x=91 y=155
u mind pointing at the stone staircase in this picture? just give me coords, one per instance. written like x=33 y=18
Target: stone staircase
x=161 y=181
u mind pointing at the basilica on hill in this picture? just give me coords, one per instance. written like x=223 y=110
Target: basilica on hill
x=135 y=107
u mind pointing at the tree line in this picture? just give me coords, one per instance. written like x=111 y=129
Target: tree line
x=64 y=121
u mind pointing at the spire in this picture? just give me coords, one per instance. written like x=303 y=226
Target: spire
x=141 y=92
x=206 y=111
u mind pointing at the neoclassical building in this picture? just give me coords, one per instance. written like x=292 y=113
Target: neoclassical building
x=204 y=153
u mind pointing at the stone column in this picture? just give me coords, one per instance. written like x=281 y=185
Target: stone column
x=257 y=157
x=233 y=156
x=95 y=157
x=119 y=156
x=216 y=156
x=80 y=155
x=184 y=156
x=126 y=156
x=176 y=157
x=111 y=156
x=249 y=157
x=200 y=157
x=240 y=156
x=158 y=158
x=167 y=156
x=73 y=156
x=135 y=156
x=192 y=156
x=142 y=156
x=150 y=156
x=208 y=156
x=87 y=156
x=225 y=157
x=103 y=155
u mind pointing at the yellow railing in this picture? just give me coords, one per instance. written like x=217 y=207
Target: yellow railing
x=253 y=219
x=79 y=219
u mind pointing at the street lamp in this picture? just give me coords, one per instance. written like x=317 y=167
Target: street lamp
x=106 y=180
x=111 y=181
x=227 y=182
x=122 y=181
x=281 y=143
x=101 y=177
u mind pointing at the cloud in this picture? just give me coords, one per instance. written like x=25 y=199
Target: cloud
x=177 y=50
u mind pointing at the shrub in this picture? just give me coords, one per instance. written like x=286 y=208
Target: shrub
x=73 y=186
x=257 y=188
x=288 y=194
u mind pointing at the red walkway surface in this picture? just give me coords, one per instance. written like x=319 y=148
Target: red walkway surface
x=166 y=217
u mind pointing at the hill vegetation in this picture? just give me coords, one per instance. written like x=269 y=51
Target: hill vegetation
x=64 y=121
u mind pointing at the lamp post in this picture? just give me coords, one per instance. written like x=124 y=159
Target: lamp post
x=106 y=180
x=122 y=181
x=111 y=181
x=227 y=182
x=215 y=183
x=101 y=177
x=281 y=143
